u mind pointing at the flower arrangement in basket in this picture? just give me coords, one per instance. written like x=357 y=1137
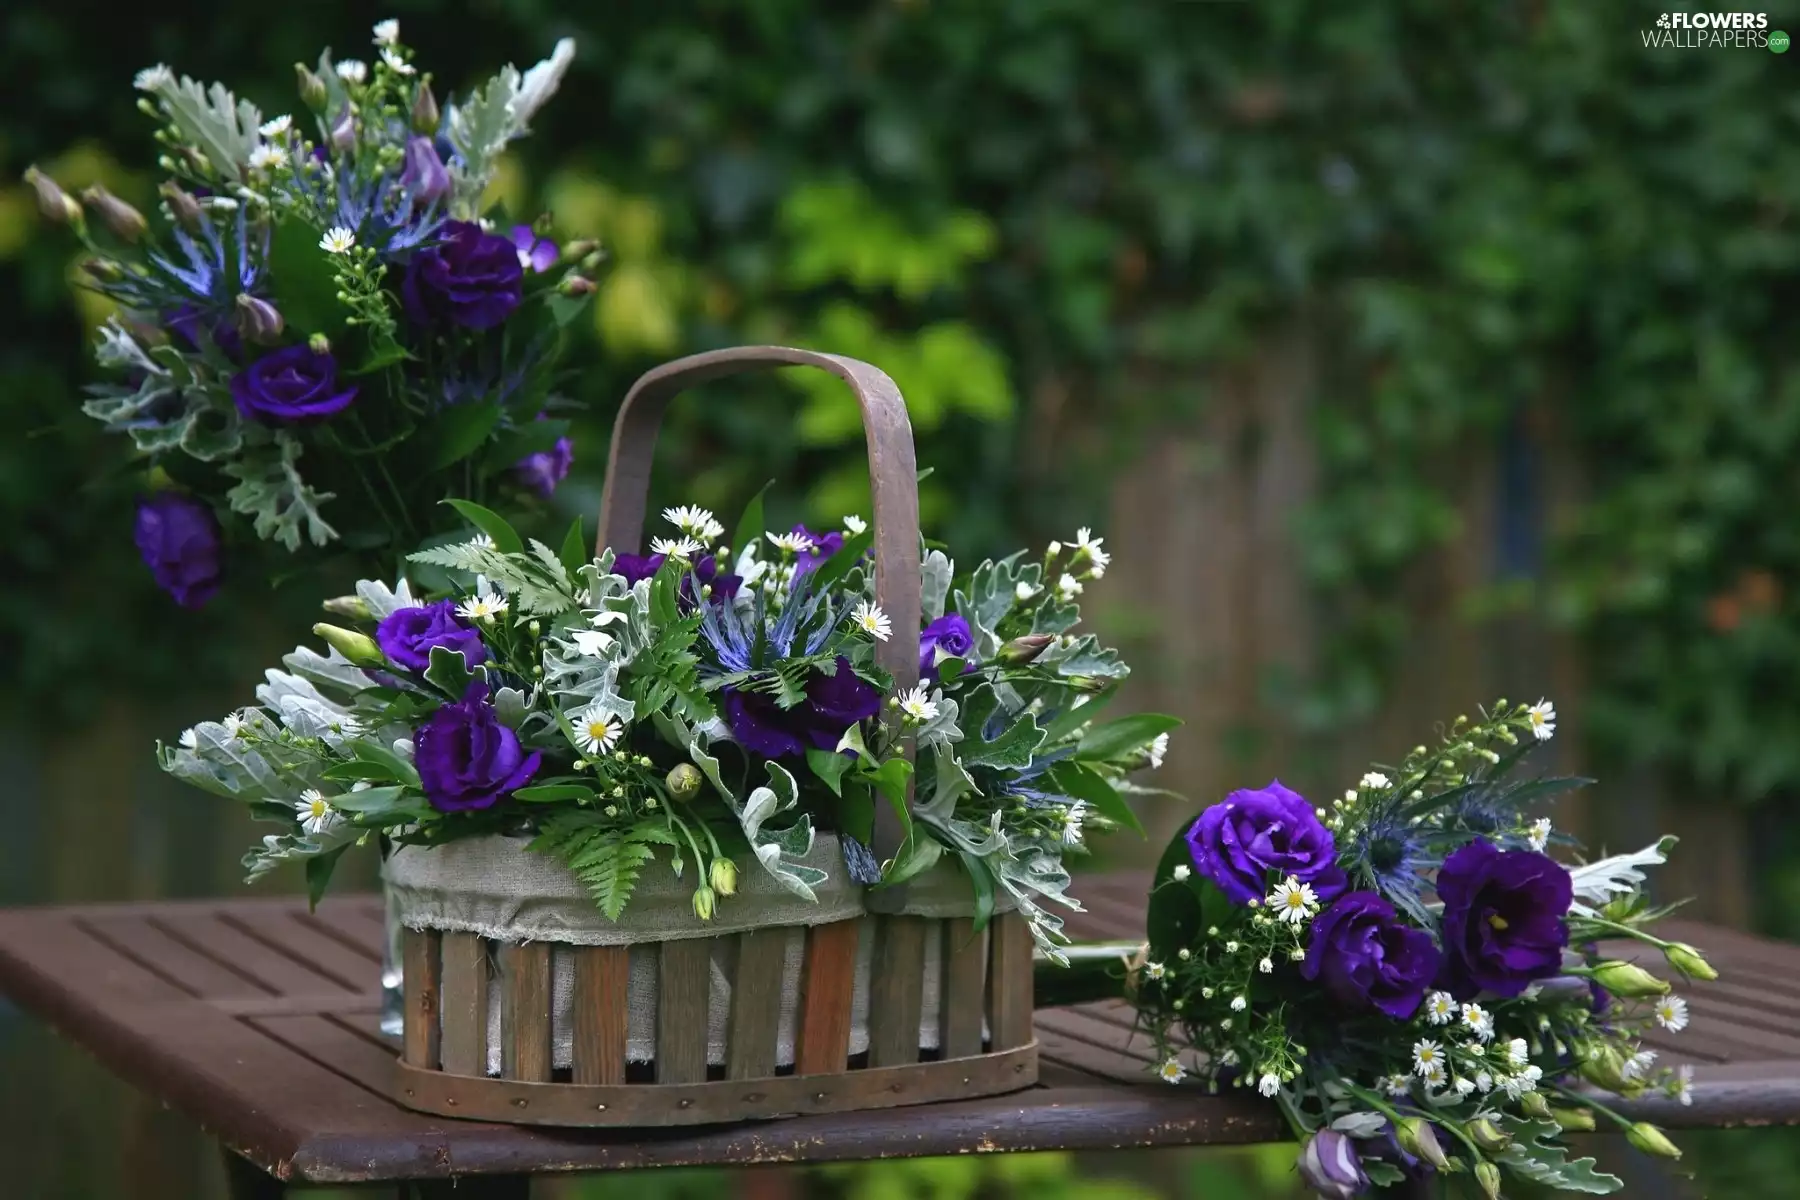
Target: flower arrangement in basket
x=322 y=334
x=1408 y=974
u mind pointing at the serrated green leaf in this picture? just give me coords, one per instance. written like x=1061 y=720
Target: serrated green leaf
x=449 y=672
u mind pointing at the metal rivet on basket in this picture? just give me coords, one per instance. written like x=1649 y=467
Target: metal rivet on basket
x=966 y=1081
x=753 y=1098
x=521 y=1102
x=686 y=1104
x=819 y=1097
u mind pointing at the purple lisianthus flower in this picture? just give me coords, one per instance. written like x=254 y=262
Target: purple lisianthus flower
x=407 y=636
x=833 y=704
x=1252 y=835
x=423 y=173
x=291 y=385
x=1365 y=955
x=543 y=470
x=637 y=566
x=1503 y=919
x=1330 y=1166
x=824 y=545
x=466 y=758
x=179 y=540
x=947 y=637
x=470 y=278
x=535 y=254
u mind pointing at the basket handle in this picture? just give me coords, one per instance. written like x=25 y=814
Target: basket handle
x=893 y=481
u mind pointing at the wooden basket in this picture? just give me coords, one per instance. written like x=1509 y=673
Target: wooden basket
x=985 y=982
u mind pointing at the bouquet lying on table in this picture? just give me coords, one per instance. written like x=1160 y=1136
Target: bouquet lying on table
x=1408 y=974
x=322 y=334
x=671 y=709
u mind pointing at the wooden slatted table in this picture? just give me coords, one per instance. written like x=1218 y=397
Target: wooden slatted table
x=258 y=1020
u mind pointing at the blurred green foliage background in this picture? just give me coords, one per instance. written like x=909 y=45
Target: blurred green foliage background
x=1511 y=243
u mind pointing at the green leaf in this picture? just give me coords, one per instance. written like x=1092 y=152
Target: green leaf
x=981 y=878
x=1012 y=749
x=918 y=854
x=359 y=770
x=396 y=768
x=449 y=672
x=1537 y=1154
x=839 y=564
x=855 y=812
x=302 y=276
x=564 y=309
x=383 y=802
x=548 y=793
x=1086 y=784
x=950 y=669
x=491 y=523
x=829 y=766
x=1120 y=737
x=574 y=552
x=890 y=780
x=318 y=874
x=527 y=439
x=1073 y=717
x=750 y=523
x=458 y=432
x=1382 y=1174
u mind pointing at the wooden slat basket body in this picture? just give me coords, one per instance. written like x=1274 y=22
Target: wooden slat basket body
x=983 y=1034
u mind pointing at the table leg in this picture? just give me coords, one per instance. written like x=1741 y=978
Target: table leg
x=472 y=1187
x=244 y=1180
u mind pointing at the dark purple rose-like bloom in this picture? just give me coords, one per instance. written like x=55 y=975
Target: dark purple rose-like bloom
x=833 y=703
x=179 y=539
x=291 y=385
x=949 y=634
x=1365 y=955
x=467 y=758
x=535 y=253
x=1503 y=919
x=1330 y=1166
x=637 y=566
x=543 y=470
x=642 y=566
x=471 y=278
x=407 y=636
x=824 y=545
x=1251 y=834
x=423 y=173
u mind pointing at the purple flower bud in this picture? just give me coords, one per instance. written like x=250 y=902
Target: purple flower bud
x=543 y=470
x=258 y=320
x=179 y=540
x=343 y=134
x=575 y=285
x=1330 y=1167
x=423 y=174
x=1022 y=650
x=125 y=221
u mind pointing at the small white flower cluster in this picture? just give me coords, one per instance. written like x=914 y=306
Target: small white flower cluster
x=1472 y=1066
x=1293 y=901
x=696 y=522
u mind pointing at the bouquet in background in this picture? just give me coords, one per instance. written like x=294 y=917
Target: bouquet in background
x=705 y=704
x=322 y=337
x=1409 y=975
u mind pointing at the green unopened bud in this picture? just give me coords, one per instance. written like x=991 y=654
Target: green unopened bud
x=101 y=268
x=575 y=285
x=1535 y=1105
x=182 y=204
x=579 y=248
x=311 y=87
x=1603 y=1067
x=683 y=782
x=1087 y=683
x=318 y=343
x=1628 y=980
x=1488 y=1176
x=703 y=903
x=425 y=111
x=1022 y=650
x=56 y=204
x=1652 y=1140
x=1688 y=961
x=724 y=876
x=125 y=221
x=1487 y=1135
x=359 y=648
x=1417 y=1138
x=590 y=262
x=353 y=607
x=1575 y=1120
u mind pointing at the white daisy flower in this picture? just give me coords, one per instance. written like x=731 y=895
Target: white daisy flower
x=1266 y=966
x=1375 y=781
x=276 y=127
x=1068 y=587
x=1154 y=970
x=1072 y=817
x=1225 y=1024
x=483 y=606
x=314 y=812
x=1097 y=571
x=337 y=240
x=1517 y=1053
x=266 y=157
x=1293 y=901
x=1479 y=1021
x=1464 y=1086
x=1085 y=540
x=1543 y=720
x=151 y=79
x=1024 y=591
x=854 y=524
x=1427 y=1055
x=1638 y=1065
x=1239 y=1004
x=1268 y=1085
x=1159 y=748
x=591 y=642
x=189 y=739
x=694 y=521
x=1396 y=1085
x=1683 y=1086
x=916 y=704
x=791 y=543
x=1231 y=947
x=1539 y=835
x=352 y=70
x=1440 y=1008
x=1434 y=1075
x=387 y=32
x=1171 y=1072
x=597 y=730
x=1298 y=954
x=1672 y=1013
x=1228 y=1057
x=1182 y=873
x=684 y=548
x=1484 y=1082
x=871 y=620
